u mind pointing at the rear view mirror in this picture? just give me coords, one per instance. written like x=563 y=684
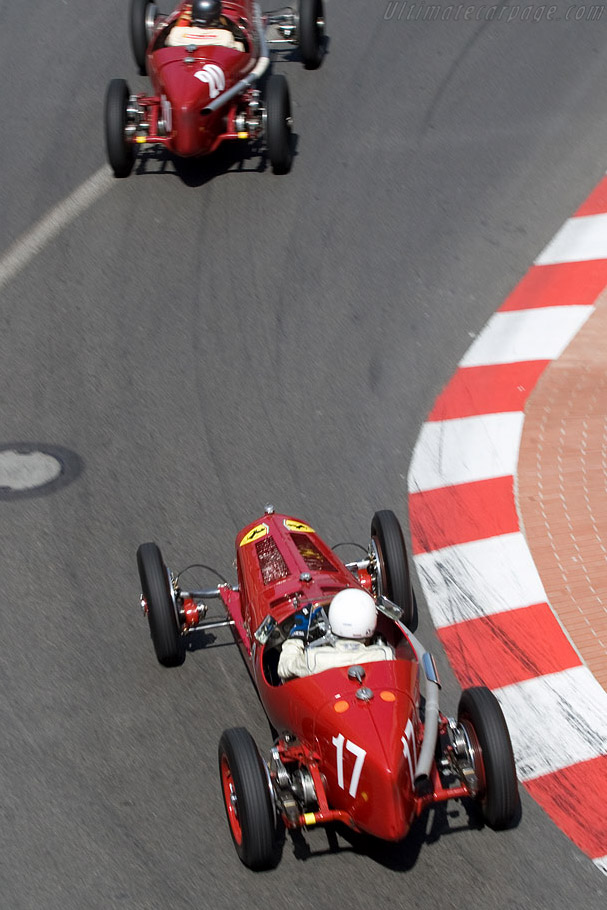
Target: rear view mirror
x=389 y=608
x=265 y=629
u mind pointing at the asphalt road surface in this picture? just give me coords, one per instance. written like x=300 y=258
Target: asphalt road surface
x=201 y=340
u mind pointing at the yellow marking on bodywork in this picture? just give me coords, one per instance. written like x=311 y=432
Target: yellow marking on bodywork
x=255 y=533
x=292 y=525
x=309 y=818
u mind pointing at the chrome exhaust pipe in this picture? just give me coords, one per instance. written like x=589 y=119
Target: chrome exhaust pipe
x=255 y=74
x=431 y=719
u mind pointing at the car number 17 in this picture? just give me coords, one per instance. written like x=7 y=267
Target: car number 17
x=358 y=752
x=409 y=752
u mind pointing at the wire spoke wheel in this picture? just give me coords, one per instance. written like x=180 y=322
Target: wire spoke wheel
x=120 y=150
x=160 y=606
x=142 y=17
x=392 y=564
x=491 y=755
x=247 y=799
x=311 y=32
x=278 y=124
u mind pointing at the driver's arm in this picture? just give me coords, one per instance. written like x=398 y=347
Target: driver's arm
x=292 y=660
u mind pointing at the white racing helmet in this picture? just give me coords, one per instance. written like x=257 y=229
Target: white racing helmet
x=352 y=614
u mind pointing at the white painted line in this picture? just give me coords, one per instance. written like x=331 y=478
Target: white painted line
x=601 y=864
x=579 y=240
x=555 y=721
x=522 y=335
x=465 y=449
x=26 y=471
x=31 y=243
x=479 y=578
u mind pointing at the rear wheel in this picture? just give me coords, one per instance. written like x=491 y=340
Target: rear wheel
x=120 y=151
x=142 y=18
x=278 y=124
x=311 y=32
x=481 y=717
x=161 y=609
x=245 y=785
x=392 y=570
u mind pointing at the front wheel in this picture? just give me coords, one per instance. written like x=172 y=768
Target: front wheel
x=392 y=565
x=142 y=18
x=481 y=717
x=278 y=124
x=246 y=785
x=160 y=604
x=120 y=150
x=311 y=32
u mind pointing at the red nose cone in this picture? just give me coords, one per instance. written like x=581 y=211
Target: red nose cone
x=369 y=749
x=188 y=137
x=192 y=133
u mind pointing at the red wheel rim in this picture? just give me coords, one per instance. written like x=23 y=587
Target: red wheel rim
x=230 y=800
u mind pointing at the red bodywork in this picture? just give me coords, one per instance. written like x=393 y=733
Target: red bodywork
x=361 y=754
x=181 y=94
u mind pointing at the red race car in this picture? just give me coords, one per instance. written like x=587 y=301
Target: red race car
x=354 y=743
x=209 y=64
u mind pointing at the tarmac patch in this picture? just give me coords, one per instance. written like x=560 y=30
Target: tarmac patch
x=32 y=469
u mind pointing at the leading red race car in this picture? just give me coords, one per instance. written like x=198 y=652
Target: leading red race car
x=210 y=83
x=354 y=744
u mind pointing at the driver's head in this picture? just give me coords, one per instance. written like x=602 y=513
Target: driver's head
x=205 y=12
x=352 y=614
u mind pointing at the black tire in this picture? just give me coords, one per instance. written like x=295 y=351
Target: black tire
x=480 y=714
x=311 y=32
x=245 y=787
x=141 y=12
x=164 y=626
x=120 y=152
x=393 y=569
x=278 y=124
